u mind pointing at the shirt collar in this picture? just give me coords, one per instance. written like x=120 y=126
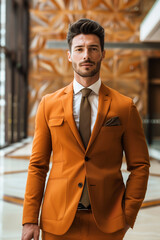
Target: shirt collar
x=77 y=87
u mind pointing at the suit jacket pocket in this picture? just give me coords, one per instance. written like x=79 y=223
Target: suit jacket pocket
x=111 y=135
x=54 y=204
x=113 y=129
x=56 y=122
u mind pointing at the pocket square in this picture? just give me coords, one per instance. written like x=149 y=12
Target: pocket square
x=115 y=121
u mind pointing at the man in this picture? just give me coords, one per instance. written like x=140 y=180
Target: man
x=87 y=126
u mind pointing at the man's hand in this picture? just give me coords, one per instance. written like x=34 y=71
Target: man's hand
x=30 y=231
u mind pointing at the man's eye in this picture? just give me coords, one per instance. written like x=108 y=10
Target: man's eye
x=94 y=49
x=79 y=49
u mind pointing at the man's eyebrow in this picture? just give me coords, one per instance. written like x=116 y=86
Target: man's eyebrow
x=92 y=45
x=79 y=46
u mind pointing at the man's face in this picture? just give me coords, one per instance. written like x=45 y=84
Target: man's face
x=86 y=55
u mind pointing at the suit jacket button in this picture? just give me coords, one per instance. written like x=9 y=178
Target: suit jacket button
x=86 y=158
x=80 y=185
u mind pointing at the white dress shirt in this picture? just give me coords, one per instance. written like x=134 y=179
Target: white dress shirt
x=93 y=100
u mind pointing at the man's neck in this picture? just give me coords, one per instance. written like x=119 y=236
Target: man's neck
x=86 y=81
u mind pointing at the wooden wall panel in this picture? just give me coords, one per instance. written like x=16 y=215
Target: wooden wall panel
x=122 y=69
x=121 y=19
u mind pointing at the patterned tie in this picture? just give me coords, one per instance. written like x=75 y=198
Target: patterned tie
x=85 y=132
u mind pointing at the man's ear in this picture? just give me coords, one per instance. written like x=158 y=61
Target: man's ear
x=103 y=54
x=69 y=56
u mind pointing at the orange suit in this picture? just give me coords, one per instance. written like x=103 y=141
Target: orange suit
x=113 y=204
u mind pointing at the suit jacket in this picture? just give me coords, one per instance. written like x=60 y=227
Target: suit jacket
x=112 y=203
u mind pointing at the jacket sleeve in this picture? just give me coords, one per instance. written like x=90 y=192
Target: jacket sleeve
x=38 y=167
x=137 y=159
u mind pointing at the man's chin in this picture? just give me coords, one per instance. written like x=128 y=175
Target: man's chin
x=87 y=74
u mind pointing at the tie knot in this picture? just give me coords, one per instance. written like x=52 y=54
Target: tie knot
x=86 y=92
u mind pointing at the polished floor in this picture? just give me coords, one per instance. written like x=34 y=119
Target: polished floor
x=13 y=173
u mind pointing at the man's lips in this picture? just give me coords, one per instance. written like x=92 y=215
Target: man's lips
x=87 y=64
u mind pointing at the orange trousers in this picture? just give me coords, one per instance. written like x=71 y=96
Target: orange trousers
x=84 y=228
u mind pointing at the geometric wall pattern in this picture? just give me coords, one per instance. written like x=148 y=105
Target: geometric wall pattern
x=122 y=69
x=120 y=18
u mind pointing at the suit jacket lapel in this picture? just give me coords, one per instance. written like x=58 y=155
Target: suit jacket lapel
x=67 y=102
x=103 y=107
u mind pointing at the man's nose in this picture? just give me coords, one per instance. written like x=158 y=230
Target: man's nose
x=86 y=54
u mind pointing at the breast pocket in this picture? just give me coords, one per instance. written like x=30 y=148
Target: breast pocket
x=111 y=132
x=57 y=131
x=55 y=122
x=113 y=129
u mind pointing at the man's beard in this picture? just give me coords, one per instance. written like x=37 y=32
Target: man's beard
x=89 y=73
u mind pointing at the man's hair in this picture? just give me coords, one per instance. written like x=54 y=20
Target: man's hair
x=85 y=26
